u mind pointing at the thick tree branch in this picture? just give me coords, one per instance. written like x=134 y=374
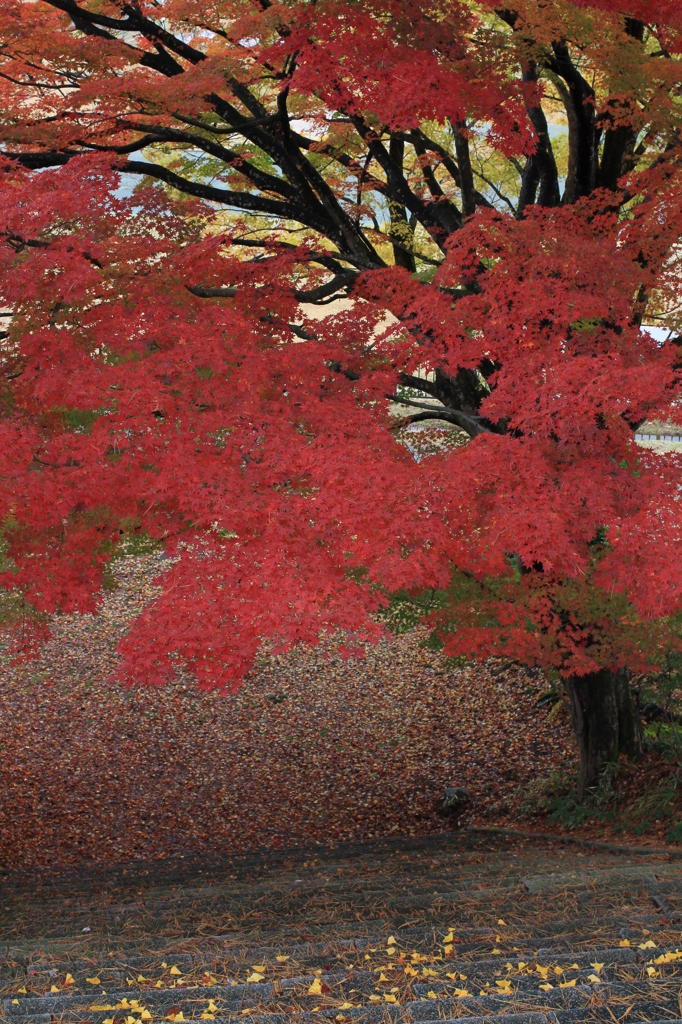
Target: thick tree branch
x=401 y=229
x=312 y=191
x=419 y=383
x=239 y=200
x=417 y=138
x=467 y=188
x=439 y=219
x=323 y=291
x=578 y=97
x=133 y=22
x=261 y=179
x=541 y=167
x=471 y=425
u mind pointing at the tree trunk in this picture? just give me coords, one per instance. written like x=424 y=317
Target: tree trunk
x=466 y=176
x=541 y=166
x=605 y=722
x=400 y=226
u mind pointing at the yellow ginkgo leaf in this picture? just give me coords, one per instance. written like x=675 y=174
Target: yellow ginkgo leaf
x=212 y=1008
x=568 y=984
x=102 y=1007
x=207 y=1016
x=390 y=941
x=53 y=988
x=428 y=973
x=461 y=993
x=254 y=977
x=176 y=1016
x=315 y=989
x=522 y=964
x=93 y=981
x=558 y=970
x=652 y=972
x=573 y=967
x=389 y=997
x=449 y=938
x=624 y=942
x=643 y=945
x=410 y=971
x=546 y=987
x=542 y=971
x=22 y=990
x=448 y=947
x=135 y=1004
x=391 y=951
x=281 y=959
x=503 y=924
x=130 y=1020
x=164 y=964
x=432 y=994
x=382 y=977
x=175 y=970
x=159 y=984
x=142 y=978
x=15 y=1002
x=259 y=967
x=375 y=999
x=69 y=979
x=495 y=951
x=108 y=1020
x=145 y=1015
x=597 y=967
x=346 y=1006
x=594 y=978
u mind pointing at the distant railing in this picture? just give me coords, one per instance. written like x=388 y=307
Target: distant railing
x=673 y=438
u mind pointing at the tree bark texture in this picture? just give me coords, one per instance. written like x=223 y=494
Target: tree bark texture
x=467 y=187
x=400 y=227
x=605 y=721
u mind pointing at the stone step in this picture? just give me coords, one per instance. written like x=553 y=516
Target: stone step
x=500 y=1018
x=326 y=919
x=618 y=968
x=408 y=891
x=565 y=1006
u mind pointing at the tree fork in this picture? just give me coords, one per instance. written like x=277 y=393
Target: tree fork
x=605 y=722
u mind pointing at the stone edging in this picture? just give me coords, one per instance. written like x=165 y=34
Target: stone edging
x=591 y=844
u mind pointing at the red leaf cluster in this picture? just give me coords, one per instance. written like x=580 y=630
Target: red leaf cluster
x=261 y=455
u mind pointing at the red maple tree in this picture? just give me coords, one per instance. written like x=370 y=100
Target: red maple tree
x=506 y=182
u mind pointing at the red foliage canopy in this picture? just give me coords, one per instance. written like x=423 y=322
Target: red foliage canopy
x=156 y=381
